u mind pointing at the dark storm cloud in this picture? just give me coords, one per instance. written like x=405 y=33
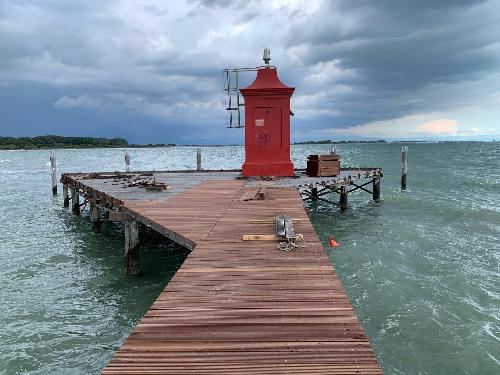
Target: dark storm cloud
x=400 y=47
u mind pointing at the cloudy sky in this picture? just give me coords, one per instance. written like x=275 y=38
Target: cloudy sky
x=151 y=71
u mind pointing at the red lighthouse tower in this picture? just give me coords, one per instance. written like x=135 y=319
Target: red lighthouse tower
x=267 y=125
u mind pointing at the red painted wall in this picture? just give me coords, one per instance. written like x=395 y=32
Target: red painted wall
x=267 y=126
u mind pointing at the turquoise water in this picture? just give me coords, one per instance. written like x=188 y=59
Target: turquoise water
x=421 y=268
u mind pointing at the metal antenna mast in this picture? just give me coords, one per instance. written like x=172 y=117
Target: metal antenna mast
x=232 y=88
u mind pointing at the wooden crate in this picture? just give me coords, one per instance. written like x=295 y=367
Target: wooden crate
x=323 y=165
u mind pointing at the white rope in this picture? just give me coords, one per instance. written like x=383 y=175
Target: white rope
x=292 y=243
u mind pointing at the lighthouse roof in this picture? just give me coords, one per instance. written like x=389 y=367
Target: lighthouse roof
x=267 y=81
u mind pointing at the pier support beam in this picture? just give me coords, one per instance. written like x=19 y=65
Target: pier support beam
x=376 y=188
x=198 y=159
x=95 y=220
x=404 y=166
x=314 y=193
x=343 y=197
x=75 y=202
x=65 y=197
x=131 y=263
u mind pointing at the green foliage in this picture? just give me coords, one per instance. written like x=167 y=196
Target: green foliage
x=328 y=141
x=55 y=141
x=322 y=142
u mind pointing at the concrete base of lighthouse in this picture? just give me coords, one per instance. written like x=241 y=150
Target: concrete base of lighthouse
x=266 y=169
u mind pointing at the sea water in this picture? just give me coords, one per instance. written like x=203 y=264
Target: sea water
x=420 y=267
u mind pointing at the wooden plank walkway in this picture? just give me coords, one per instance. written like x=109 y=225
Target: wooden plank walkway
x=189 y=216
x=239 y=307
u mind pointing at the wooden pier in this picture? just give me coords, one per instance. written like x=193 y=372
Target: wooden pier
x=234 y=306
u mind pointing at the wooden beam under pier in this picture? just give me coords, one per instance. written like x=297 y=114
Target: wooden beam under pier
x=344 y=197
x=376 y=188
x=131 y=263
x=75 y=202
x=95 y=218
x=65 y=197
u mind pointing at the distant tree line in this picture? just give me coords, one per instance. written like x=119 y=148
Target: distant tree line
x=377 y=141
x=150 y=145
x=322 y=142
x=329 y=141
x=55 y=141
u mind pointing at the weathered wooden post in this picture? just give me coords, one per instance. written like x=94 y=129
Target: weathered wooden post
x=376 y=188
x=343 y=197
x=65 y=196
x=95 y=219
x=314 y=193
x=131 y=263
x=53 y=172
x=127 y=162
x=404 y=166
x=75 y=201
x=198 y=159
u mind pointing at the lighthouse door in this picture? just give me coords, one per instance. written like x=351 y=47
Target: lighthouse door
x=267 y=123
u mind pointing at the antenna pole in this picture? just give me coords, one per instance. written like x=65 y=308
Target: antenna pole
x=267 y=56
x=238 y=99
x=230 y=95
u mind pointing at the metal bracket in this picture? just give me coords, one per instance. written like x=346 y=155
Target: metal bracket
x=232 y=88
x=323 y=191
x=284 y=226
x=361 y=187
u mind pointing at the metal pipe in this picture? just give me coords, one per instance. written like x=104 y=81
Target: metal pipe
x=238 y=99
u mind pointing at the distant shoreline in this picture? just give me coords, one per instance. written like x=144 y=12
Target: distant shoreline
x=51 y=142
x=47 y=142
x=80 y=147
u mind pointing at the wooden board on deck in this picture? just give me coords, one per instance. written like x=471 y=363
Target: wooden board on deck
x=261 y=237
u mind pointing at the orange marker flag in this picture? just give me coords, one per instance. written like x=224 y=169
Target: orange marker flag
x=332 y=242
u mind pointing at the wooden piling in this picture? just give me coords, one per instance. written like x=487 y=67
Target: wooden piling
x=376 y=188
x=131 y=263
x=95 y=219
x=198 y=159
x=127 y=162
x=404 y=166
x=75 y=202
x=343 y=197
x=65 y=196
x=314 y=193
x=53 y=172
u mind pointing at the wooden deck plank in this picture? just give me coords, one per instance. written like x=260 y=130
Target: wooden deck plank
x=239 y=307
